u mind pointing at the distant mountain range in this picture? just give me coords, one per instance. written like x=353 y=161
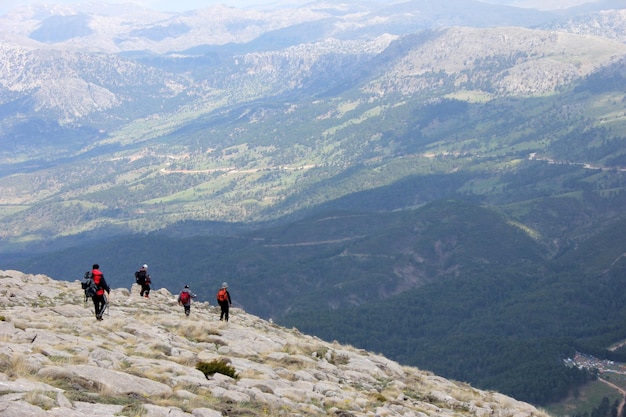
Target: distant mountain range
x=155 y=98
x=68 y=63
x=385 y=153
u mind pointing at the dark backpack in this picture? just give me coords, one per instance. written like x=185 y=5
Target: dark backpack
x=222 y=295
x=89 y=285
x=184 y=297
x=140 y=277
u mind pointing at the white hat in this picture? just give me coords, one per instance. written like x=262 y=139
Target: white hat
x=145 y=265
x=224 y=285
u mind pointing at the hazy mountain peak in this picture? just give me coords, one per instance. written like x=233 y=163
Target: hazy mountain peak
x=545 y=4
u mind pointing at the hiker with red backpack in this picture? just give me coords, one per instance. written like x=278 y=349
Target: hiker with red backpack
x=223 y=299
x=99 y=299
x=184 y=299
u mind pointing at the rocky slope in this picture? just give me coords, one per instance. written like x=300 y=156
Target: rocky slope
x=57 y=360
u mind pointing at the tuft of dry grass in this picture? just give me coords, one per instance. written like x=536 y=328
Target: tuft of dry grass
x=198 y=332
x=164 y=349
x=292 y=349
x=41 y=399
x=251 y=373
x=16 y=366
x=133 y=410
x=158 y=374
x=465 y=393
x=379 y=397
x=197 y=400
x=190 y=361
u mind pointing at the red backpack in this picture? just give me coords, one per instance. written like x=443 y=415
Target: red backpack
x=184 y=297
x=222 y=295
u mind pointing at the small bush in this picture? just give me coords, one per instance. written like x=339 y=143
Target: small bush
x=216 y=366
x=134 y=410
x=380 y=397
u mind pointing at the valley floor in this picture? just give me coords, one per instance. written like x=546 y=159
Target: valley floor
x=610 y=373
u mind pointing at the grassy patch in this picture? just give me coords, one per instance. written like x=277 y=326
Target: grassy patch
x=584 y=400
x=616 y=379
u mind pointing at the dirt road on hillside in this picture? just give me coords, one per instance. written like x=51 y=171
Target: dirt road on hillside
x=620 y=408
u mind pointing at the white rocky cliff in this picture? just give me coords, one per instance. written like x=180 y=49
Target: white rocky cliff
x=141 y=360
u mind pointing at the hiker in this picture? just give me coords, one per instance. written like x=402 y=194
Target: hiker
x=223 y=299
x=99 y=300
x=143 y=279
x=184 y=299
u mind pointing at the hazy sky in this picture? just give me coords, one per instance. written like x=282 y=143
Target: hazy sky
x=163 y=5
x=183 y=5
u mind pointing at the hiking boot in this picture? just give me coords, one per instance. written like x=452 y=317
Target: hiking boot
x=147 y=296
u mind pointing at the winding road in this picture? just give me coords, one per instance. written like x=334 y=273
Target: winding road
x=620 y=408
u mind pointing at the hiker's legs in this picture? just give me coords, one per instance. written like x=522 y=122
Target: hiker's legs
x=224 y=312
x=145 y=290
x=99 y=305
x=103 y=305
x=187 y=309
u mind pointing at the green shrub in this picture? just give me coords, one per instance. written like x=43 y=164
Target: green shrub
x=216 y=366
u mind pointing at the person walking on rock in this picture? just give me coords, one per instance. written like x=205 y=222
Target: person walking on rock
x=143 y=279
x=99 y=300
x=184 y=299
x=223 y=299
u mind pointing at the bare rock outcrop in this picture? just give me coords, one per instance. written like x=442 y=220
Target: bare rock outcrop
x=57 y=360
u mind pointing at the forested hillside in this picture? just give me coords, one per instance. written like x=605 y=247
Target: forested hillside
x=506 y=326
x=452 y=287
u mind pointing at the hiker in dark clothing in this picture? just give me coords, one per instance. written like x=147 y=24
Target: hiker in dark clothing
x=184 y=299
x=99 y=300
x=223 y=299
x=143 y=278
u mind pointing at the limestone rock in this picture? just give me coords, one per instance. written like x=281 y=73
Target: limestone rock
x=57 y=360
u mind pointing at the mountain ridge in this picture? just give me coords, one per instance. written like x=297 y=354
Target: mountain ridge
x=252 y=141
